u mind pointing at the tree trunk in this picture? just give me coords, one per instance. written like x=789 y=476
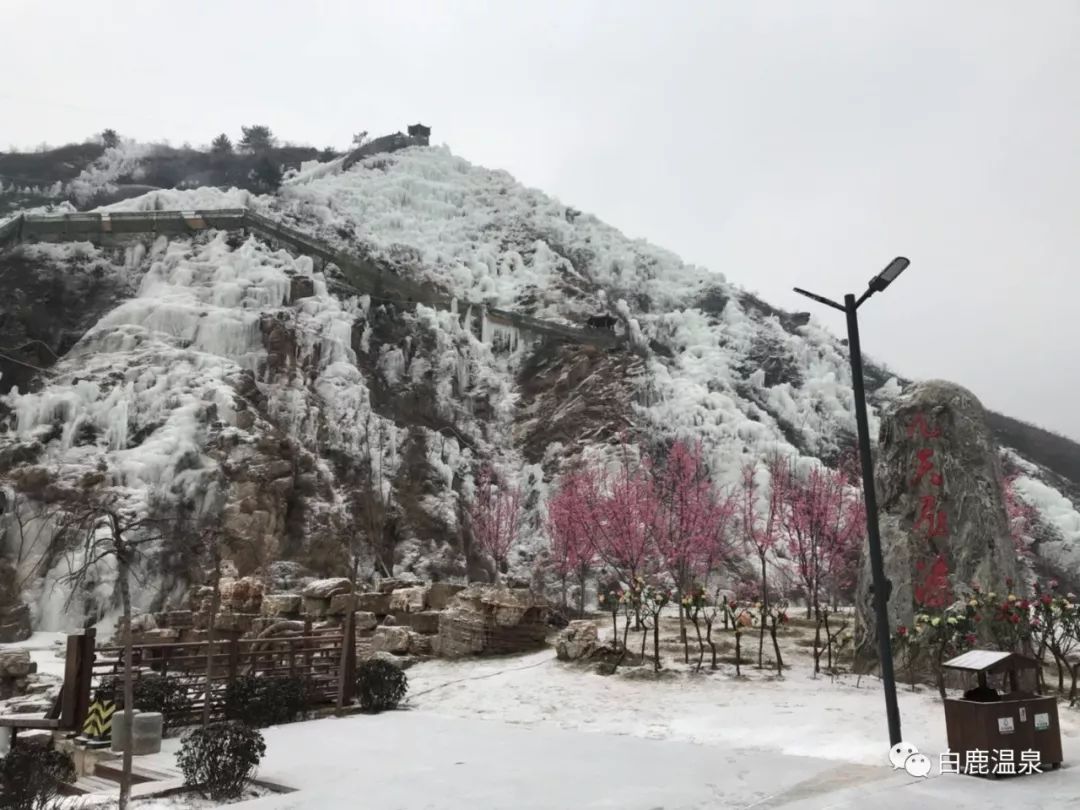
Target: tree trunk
x=817 y=643
x=712 y=645
x=129 y=686
x=738 y=652
x=682 y=627
x=939 y=656
x=215 y=606
x=656 y=640
x=764 y=611
x=583 y=579
x=700 y=643
x=776 y=648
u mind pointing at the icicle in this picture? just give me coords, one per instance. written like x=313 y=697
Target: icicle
x=485 y=327
x=462 y=372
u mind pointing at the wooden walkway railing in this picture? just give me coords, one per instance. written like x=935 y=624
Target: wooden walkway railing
x=324 y=659
x=365 y=277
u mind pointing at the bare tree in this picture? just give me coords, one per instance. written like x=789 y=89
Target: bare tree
x=210 y=546
x=103 y=529
x=30 y=535
x=369 y=507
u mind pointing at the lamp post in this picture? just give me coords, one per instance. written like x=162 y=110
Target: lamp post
x=881 y=586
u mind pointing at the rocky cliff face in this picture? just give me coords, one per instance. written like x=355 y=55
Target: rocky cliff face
x=218 y=378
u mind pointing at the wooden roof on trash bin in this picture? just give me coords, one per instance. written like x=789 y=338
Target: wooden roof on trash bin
x=990 y=661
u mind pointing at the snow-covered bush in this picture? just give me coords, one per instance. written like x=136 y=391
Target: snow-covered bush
x=262 y=702
x=31 y=776
x=380 y=685
x=157 y=693
x=219 y=760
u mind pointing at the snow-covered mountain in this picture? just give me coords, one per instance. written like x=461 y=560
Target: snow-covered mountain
x=220 y=374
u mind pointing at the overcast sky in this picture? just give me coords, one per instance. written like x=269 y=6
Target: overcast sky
x=780 y=143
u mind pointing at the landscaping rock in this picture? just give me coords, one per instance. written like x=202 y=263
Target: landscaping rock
x=16 y=664
x=390 y=585
x=14 y=623
x=365 y=621
x=440 y=593
x=578 y=640
x=408 y=600
x=419 y=644
x=492 y=620
x=315 y=607
x=426 y=622
x=377 y=603
x=242 y=595
x=282 y=604
x=342 y=603
x=940 y=504
x=235 y=622
x=391 y=640
x=326 y=588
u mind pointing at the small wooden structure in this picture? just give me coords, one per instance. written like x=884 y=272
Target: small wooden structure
x=985 y=720
x=419 y=131
x=69 y=709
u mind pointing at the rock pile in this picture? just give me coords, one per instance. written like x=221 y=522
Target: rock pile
x=398 y=618
x=488 y=620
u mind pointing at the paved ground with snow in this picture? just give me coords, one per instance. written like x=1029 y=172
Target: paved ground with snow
x=530 y=732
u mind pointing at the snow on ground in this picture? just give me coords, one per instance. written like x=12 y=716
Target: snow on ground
x=528 y=732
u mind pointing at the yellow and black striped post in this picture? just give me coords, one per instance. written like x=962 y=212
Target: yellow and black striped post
x=98 y=726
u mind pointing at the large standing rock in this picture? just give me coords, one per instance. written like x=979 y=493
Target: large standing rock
x=578 y=640
x=14 y=615
x=492 y=620
x=940 y=505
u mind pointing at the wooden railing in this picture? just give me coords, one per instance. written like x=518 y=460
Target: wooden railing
x=365 y=277
x=325 y=660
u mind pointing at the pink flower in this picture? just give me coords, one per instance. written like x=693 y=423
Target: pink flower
x=901 y=630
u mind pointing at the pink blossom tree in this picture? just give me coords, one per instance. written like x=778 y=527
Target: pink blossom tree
x=568 y=525
x=820 y=521
x=495 y=516
x=760 y=512
x=621 y=508
x=690 y=522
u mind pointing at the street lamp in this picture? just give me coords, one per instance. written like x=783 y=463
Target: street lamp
x=881 y=586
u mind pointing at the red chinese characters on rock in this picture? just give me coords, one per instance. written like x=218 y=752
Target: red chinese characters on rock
x=921 y=425
x=932 y=582
x=933 y=590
